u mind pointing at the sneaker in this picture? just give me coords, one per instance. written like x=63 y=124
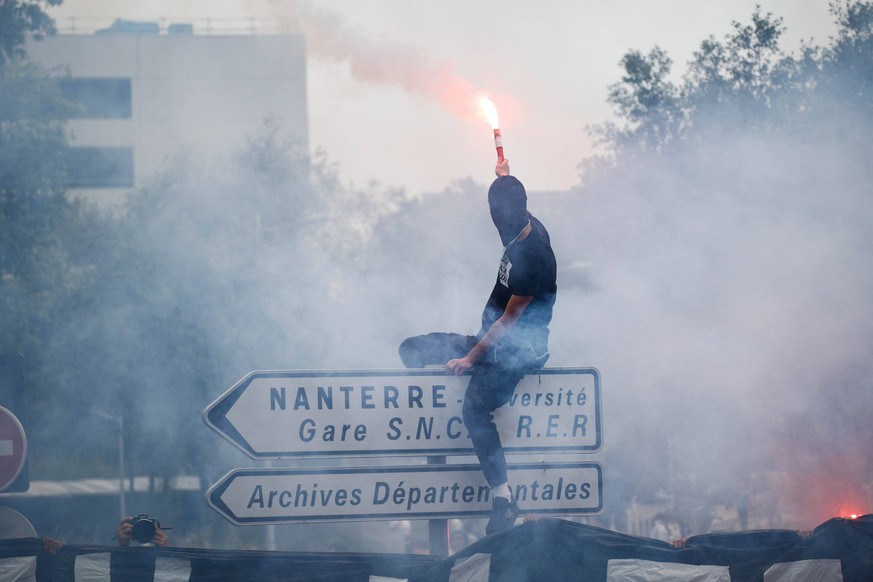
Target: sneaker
x=503 y=515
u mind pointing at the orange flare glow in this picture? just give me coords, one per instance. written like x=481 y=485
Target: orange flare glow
x=489 y=111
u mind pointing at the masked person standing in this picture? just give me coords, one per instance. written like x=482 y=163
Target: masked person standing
x=513 y=338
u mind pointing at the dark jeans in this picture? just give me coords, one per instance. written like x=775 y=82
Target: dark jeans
x=493 y=380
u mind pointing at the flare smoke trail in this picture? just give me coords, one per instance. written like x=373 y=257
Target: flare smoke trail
x=329 y=38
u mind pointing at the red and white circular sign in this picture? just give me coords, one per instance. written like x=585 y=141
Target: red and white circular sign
x=13 y=448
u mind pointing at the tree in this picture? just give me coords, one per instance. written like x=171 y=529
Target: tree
x=18 y=20
x=33 y=208
x=734 y=75
x=744 y=81
x=44 y=274
x=845 y=70
x=646 y=99
x=744 y=65
x=731 y=234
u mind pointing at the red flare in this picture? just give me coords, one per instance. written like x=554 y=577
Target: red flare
x=498 y=143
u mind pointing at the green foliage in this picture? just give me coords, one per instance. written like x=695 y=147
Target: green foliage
x=846 y=70
x=646 y=99
x=36 y=219
x=20 y=19
x=742 y=67
x=744 y=82
x=44 y=274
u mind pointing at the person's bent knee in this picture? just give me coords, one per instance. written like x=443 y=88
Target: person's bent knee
x=474 y=413
x=410 y=352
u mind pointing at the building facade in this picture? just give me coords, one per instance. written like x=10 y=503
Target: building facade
x=146 y=95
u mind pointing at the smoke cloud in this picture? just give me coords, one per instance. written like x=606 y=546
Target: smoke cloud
x=723 y=290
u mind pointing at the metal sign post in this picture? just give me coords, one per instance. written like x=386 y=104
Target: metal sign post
x=438 y=529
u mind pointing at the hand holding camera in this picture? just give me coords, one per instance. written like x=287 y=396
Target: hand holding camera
x=143 y=530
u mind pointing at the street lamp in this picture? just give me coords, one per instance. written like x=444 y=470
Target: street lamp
x=120 y=423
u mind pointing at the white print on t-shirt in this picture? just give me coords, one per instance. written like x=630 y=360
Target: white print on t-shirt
x=503 y=272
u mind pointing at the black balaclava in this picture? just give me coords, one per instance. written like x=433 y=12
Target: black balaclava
x=507 y=201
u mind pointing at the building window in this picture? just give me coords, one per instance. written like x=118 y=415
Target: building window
x=98 y=98
x=91 y=167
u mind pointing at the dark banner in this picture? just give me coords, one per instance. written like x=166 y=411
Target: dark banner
x=547 y=550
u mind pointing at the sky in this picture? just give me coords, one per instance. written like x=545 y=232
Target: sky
x=548 y=68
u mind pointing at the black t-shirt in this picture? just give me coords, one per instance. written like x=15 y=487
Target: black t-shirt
x=527 y=268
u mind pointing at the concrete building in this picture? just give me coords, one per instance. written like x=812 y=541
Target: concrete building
x=147 y=94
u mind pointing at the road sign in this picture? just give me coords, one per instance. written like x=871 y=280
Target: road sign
x=13 y=447
x=14 y=526
x=295 y=414
x=13 y=397
x=271 y=496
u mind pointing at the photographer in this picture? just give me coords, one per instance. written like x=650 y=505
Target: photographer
x=142 y=530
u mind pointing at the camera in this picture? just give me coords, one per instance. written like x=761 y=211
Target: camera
x=144 y=528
